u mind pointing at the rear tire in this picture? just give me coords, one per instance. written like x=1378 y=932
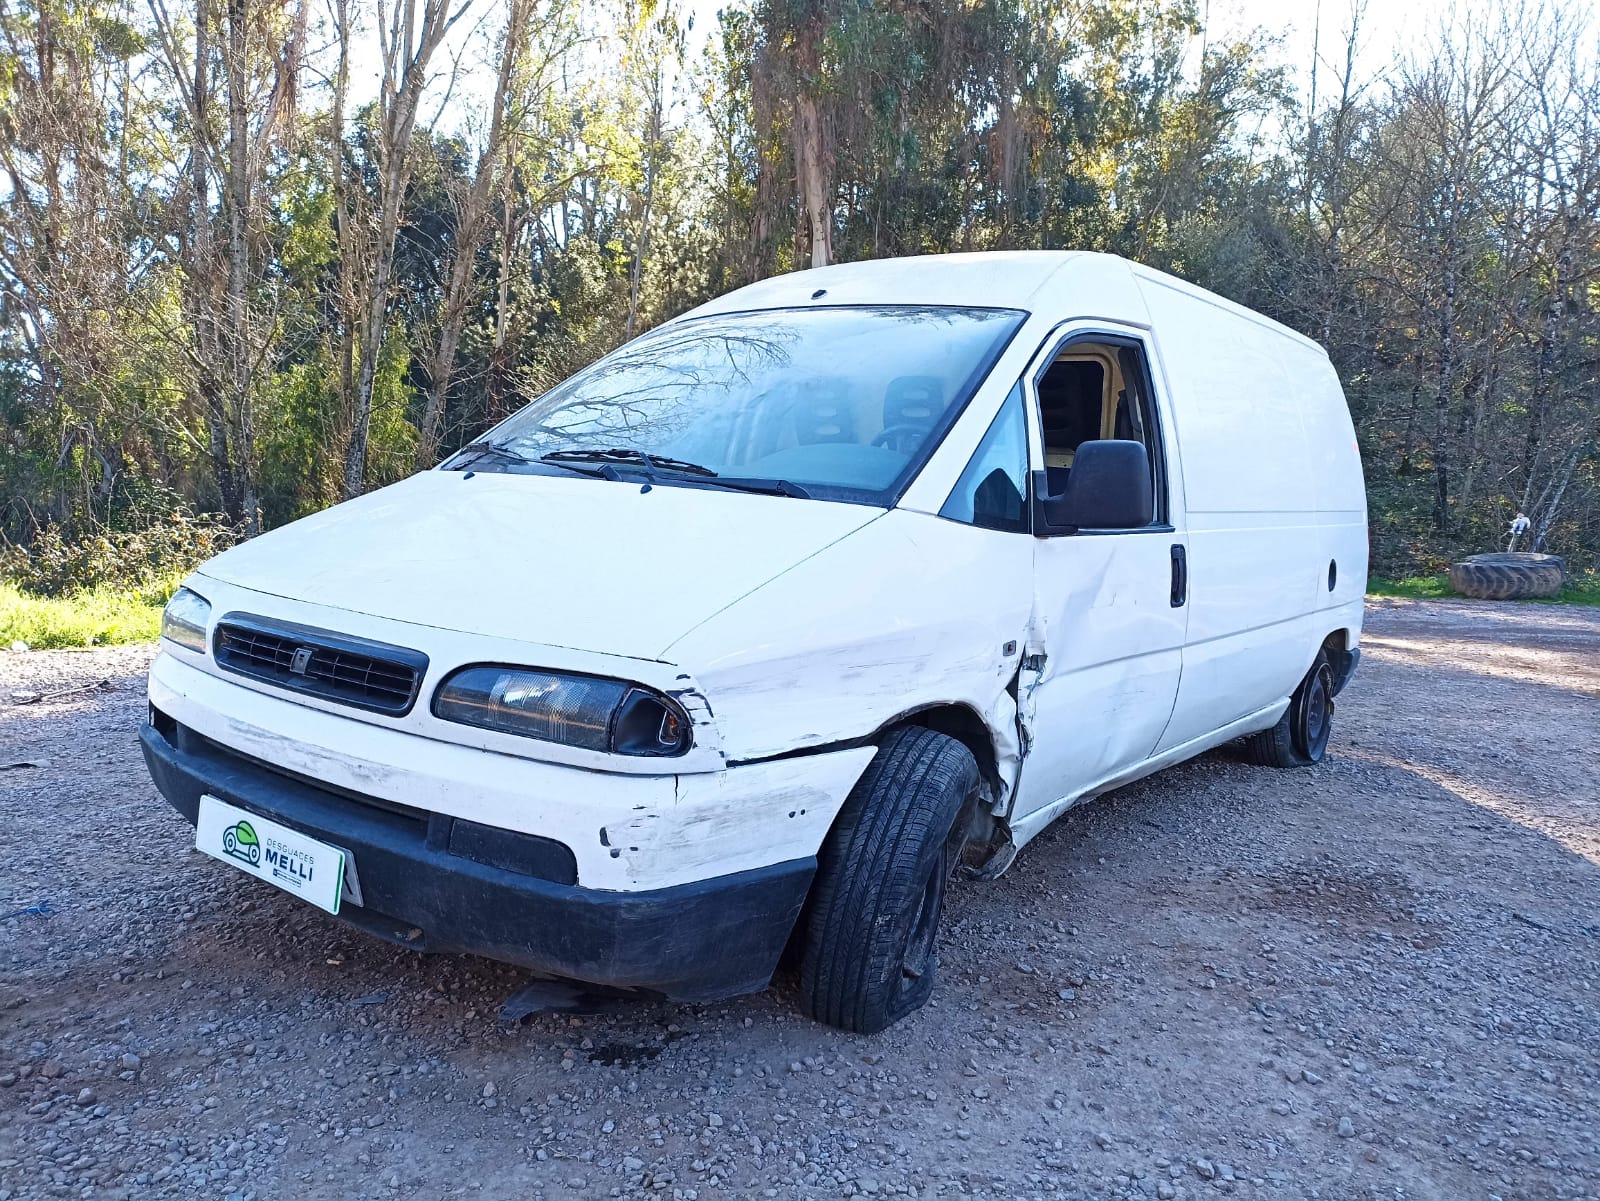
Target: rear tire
x=867 y=958
x=1300 y=738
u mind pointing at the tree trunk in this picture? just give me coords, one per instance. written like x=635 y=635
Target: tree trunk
x=408 y=47
x=201 y=265
x=1544 y=370
x=813 y=186
x=240 y=195
x=1447 y=370
x=810 y=154
x=472 y=221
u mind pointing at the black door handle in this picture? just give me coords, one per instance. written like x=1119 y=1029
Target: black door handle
x=1180 y=576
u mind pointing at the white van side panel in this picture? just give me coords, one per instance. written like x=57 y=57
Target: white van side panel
x=1236 y=406
x=1272 y=484
x=1341 y=494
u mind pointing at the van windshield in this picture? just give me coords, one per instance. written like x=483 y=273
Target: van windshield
x=836 y=403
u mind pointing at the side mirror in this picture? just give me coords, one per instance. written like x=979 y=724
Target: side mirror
x=1108 y=488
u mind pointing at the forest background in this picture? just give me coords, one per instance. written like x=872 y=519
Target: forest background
x=259 y=256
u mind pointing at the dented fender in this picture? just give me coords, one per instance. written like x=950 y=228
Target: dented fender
x=841 y=647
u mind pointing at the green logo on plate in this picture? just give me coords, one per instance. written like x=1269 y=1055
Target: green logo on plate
x=240 y=841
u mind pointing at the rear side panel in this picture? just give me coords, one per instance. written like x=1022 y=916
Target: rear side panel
x=1272 y=480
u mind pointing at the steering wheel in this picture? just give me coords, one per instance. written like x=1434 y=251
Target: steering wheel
x=889 y=436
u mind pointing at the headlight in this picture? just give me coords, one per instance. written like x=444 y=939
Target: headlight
x=584 y=711
x=185 y=620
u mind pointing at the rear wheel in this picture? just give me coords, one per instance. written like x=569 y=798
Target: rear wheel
x=868 y=955
x=1301 y=736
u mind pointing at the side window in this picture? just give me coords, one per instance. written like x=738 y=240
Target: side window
x=1096 y=389
x=990 y=491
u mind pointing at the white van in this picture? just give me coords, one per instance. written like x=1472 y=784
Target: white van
x=747 y=635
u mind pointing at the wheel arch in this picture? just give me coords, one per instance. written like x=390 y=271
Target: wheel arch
x=964 y=724
x=1342 y=656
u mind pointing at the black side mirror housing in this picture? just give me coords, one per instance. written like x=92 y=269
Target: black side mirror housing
x=1109 y=488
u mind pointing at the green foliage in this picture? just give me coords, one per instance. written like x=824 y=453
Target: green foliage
x=392 y=447
x=97 y=617
x=640 y=180
x=1418 y=587
x=299 y=414
x=1581 y=589
x=142 y=563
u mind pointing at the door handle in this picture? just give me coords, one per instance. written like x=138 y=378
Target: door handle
x=1180 y=575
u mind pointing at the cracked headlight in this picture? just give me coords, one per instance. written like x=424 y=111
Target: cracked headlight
x=185 y=619
x=591 y=712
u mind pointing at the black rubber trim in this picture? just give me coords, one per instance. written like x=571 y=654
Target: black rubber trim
x=693 y=942
x=1344 y=666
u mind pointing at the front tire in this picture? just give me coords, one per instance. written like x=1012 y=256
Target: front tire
x=1300 y=738
x=868 y=954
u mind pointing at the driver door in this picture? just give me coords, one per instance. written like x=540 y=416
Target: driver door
x=1105 y=642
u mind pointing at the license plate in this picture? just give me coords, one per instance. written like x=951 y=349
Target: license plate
x=314 y=871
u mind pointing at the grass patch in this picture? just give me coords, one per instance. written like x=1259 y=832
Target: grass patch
x=1581 y=589
x=94 y=617
x=1417 y=587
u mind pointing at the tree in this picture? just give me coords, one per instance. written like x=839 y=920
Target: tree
x=408 y=40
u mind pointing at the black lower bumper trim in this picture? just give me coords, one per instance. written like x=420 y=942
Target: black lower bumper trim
x=692 y=942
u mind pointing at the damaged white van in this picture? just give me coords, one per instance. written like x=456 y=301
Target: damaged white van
x=749 y=635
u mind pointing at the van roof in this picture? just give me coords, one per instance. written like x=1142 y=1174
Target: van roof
x=1014 y=279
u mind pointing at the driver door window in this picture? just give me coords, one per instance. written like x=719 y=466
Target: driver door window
x=1094 y=390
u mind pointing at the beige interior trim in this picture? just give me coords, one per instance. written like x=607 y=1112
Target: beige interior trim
x=1088 y=352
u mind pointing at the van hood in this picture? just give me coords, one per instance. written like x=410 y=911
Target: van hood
x=586 y=564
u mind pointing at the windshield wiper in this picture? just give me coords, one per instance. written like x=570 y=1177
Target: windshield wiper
x=650 y=464
x=618 y=454
x=496 y=450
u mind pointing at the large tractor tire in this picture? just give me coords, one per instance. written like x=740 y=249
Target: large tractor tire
x=1509 y=575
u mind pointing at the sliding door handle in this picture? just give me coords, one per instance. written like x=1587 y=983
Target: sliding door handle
x=1180 y=575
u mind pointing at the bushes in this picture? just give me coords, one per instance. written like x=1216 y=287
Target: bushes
x=106 y=587
x=143 y=561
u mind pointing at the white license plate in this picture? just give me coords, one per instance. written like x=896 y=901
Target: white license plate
x=312 y=870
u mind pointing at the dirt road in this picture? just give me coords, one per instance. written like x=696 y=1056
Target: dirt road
x=1379 y=978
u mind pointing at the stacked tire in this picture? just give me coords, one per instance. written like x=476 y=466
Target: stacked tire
x=1509 y=575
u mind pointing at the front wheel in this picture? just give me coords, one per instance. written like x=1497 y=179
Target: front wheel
x=868 y=954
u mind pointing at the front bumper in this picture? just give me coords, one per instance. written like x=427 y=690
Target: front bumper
x=696 y=941
x=627 y=832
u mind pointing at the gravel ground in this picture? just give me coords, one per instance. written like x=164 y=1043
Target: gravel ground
x=1374 y=979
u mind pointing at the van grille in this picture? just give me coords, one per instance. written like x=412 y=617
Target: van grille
x=350 y=671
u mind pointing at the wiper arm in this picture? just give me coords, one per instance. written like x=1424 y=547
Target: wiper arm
x=767 y=487
x=487 y=450
x=498 y=450
x=618 y=454
x=650 y=464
